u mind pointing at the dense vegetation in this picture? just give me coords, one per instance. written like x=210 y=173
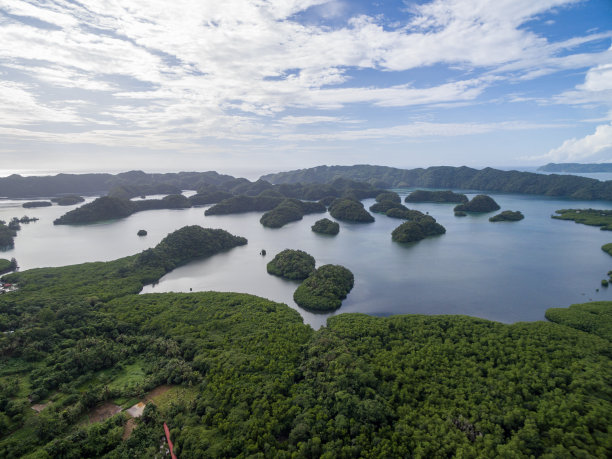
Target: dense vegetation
x=592 y=217
x=404 y=213
x=435 y=196
x=576 y=167
x=68 y=200
x=350 y=210
x=240 y=204
x=326 y=226
x=254 y=380
x=464 y=178
x=607 y=248
x=7 y=265
x=417 y=229
x=289 y=210
x=141 y=232
x=389 y=196
x=32 y=204
x=7 y=236
x=593 y=318
x=111 y=208
x=507 y=216
x=292 y=264
x=325 y=288
x=479 y=203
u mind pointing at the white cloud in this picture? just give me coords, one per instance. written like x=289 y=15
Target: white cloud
x=600 y=142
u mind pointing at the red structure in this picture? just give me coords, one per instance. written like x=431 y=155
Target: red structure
x=169 y=441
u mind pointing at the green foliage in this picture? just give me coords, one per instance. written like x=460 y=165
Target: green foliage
x=507 y=216
x=141 y=232
x=435 y=196
x=391 y=196
x=292 y=264
x=593 y=317
x=7 y=265
x=103 y=208
x=7 y=235
x=460 y=213
x=326 y=226
x=384 y=206
x=607 y=248
x=240 y=204
x=350 y=210
x=415 y=230
x=209 y=197
x=479 y=203
x=464 y=178
x=286 y=212
x=325 y=289
x=31 y=204
x=68 y=200
x=404 y=213
x=591 y=217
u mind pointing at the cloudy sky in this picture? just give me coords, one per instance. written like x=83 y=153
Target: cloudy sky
x=255 y=85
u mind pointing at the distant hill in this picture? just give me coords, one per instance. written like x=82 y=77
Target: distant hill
x=447 y=177
x=576 y=167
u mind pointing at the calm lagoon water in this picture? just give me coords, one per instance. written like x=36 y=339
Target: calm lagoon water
x=507 y=272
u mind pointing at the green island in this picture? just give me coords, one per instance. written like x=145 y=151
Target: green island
x=111 y=208
x=404 y=213
x=7 y=265
x=326 y=226
x=141 y=232
x=479 y=203
x=391 y=196
x=290 y=210
x=292 y=264
x=460 y=213
x=350 y=210
x=461 y=178
x=607 y=248
x=68 y=200
x=507 y=216
x=417 y=229
x=436 y=196
x=32 y=204
x=245 y=376
x=591 y=217
x=325 y=288
x=576 y=167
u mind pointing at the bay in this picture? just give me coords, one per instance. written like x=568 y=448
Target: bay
x=506 y=272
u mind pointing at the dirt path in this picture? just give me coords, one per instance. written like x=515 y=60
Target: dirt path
x=102 y=412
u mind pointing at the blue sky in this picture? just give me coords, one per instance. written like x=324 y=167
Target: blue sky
x=264 y=85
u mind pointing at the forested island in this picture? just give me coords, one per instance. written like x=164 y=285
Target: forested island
x=325 y=288
x=326 y=226
x=479 y=203
x=507 y=216
x=436 y=196
x=417 y=229
x=292 y=264
x=591 y=217
x=350 y=210
x=463 y=178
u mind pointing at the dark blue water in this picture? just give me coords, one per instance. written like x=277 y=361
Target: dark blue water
x=501 y=271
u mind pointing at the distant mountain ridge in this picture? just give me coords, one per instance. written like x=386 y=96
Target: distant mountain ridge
x=448 y=177
x=576 y=167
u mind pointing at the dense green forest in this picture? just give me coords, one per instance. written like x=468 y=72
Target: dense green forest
x=32 y=204
x=68 y=200
x=592 y=217
x=416 y=229
x=507 y=216
x=435 y=196
x=350 y=210
x=463 y=178
x=326 y=226
x=292 y=264
x=325 y=288
x=290 y=210
x=479 y=203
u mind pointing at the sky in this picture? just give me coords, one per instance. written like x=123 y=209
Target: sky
x=254 y=86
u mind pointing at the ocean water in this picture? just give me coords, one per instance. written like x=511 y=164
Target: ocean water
x=506 y=272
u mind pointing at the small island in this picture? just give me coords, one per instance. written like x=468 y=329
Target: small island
x=289 y=210
x=479 y=203
x=415 y=230
x=325 y=289
x=436 y=196
x=460 y=213
x=141 y=232
x=390 y=196
x=326 y=226
x=405 y=213
x=32 y=204
x=292 y=264
x=507 y=216
x=69 y=200
x=350 y=210
x=591 y=217
x=7 y=266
